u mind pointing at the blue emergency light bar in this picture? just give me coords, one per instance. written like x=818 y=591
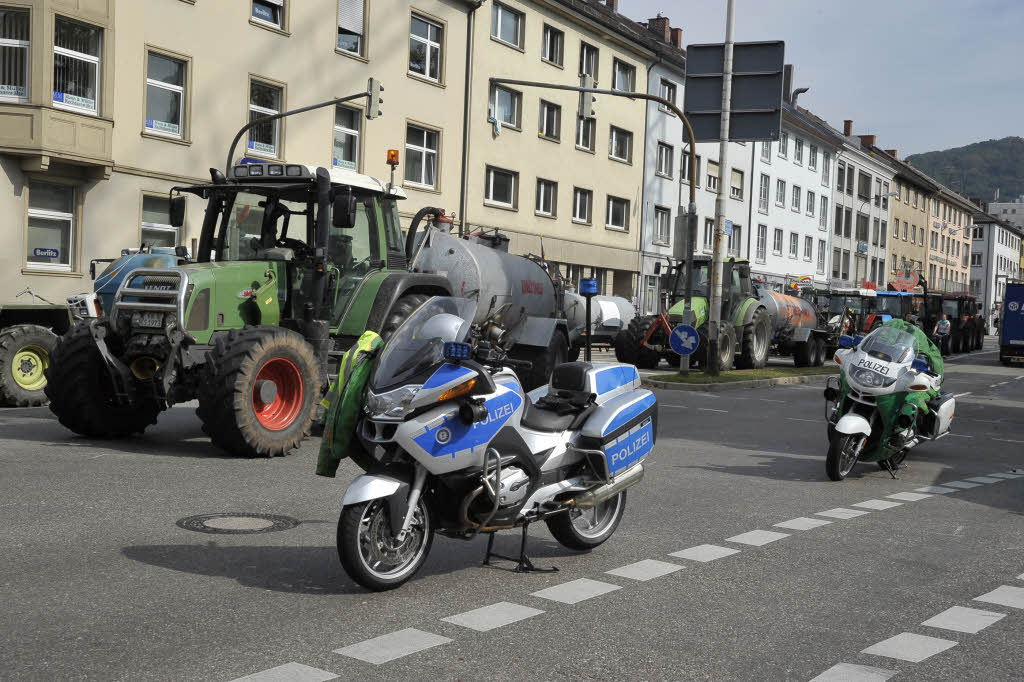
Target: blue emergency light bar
x=588 y=287
x=454 y=350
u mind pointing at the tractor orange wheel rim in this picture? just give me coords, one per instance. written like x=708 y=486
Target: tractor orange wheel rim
x=280 y=409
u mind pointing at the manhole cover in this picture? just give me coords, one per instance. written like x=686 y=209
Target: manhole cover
x=237 y=523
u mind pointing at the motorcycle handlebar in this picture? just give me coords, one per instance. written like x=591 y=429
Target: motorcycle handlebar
x=517 y=364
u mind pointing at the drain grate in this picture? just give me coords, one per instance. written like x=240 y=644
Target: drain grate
x=237 y=524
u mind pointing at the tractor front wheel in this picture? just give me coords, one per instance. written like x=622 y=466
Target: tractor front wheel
x=630 y=346
x=25 y=351
x=259 y=389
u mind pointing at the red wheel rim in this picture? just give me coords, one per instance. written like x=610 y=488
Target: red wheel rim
x=281 y=411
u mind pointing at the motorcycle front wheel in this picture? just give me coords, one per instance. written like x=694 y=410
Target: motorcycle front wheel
x=842 y=455
x=371 y=554
x=584 y=529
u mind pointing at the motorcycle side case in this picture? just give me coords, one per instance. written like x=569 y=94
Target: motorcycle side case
x=623 y=429
x=940 y=415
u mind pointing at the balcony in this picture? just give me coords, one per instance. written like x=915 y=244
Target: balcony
x=42 y=134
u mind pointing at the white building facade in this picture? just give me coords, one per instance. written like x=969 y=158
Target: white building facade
x=995 y=258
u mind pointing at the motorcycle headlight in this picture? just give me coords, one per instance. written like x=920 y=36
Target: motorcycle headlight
x=393 y=404
x=870 y=378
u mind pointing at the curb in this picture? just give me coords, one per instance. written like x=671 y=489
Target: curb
x=736 y=385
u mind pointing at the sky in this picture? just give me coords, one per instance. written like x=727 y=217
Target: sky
x=922 y=75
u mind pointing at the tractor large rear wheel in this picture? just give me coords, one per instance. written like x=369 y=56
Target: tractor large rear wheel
x=400 y=311
x=755 y=341
x=630 y=345
x=25 y=351
x=259 y=389
x=81 y=392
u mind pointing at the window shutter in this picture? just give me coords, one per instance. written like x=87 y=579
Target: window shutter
x=737 y=179
x=350 y=16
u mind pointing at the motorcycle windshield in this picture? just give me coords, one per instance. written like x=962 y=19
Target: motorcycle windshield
x=889 y=344
x=417 y=345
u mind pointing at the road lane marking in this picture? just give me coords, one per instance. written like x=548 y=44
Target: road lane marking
x=842 y=513
x=907 y=646
x=848 y=672
x=1008 y=476
x=876 y=505
x=1004 y=595
x=961 y=395
x=907 y=497
x=709 y=409
x=576 y=591
x=494 y=616
x=645 y=570
x=802 y=523
x=797 y=419
x=959 y=435
x=705 y=553
x=1007 y=440
x=962 y=619
x=1020 y=377
x=757 y=538
x=937 y=489
x=289 y=672
x=983 y=479
x=392 y=645
x=961 y=484
x=769 y=400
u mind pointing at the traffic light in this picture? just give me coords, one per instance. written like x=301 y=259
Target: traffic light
x=587 y=107
x=374 y=100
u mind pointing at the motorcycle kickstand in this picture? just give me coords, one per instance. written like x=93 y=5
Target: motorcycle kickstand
x=523 y=563
x=890 y=469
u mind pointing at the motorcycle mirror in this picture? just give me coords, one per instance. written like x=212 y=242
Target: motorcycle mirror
x=846 y=341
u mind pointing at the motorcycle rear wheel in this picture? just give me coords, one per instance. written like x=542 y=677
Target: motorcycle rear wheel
x=585 y=529
x=369 y=552
x=841 y=458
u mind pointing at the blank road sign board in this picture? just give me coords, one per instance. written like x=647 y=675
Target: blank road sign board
x=755 y=112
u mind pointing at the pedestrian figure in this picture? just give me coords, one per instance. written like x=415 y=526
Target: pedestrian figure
x=942 y=332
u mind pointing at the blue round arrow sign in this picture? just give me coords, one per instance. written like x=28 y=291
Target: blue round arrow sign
x=684 y=339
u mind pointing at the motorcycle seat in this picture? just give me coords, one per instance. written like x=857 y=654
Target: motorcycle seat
x=556 y=413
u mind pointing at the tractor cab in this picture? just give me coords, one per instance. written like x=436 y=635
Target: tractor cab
x=736 y=283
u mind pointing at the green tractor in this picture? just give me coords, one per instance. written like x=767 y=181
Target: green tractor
x=744 y=337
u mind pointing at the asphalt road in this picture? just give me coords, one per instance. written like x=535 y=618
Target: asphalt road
x=99 y=582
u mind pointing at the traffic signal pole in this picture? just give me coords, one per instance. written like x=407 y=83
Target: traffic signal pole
x=685 y=227
x=724 y=181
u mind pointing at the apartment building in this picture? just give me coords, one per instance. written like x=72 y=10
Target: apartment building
x=909 y=208
x=106 y=104
x=995 y=258
x=792 y=208
x=949 y=240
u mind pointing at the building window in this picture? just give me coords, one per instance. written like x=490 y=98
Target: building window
x=264 y=100
x=863 y=186
x=794 y=245
x=506 y=105
x=425 y=40
x=712 y=180
x=849 y=180
x=76 y=65
x=553 y=45
x=823 y=213
x=811 y=204
x=846 y=265
x=840 y=175
x=351 y=26
x=685 y=165
x=766 y=151
x=812 y=158
x=808 y=248
x=589 y=56
x=582 y=201
x=709 y=234
x=666 y=154
x=269 y=12
x=762 y=196
x=165 y=95
x=894 y=263
x=885 y=196
x=826 y=164
x=15 y=33
x=346 y=137
x=975 y=259
x=618 y=214
x=797 y=194
x=874 y=233
x=502 y=187
x=780 y=192
x=620 y=144
x=662 y=221
x=798 y=150
x=862 y=228
x=667 y=90
x=623 y=77
x=784 y=145
x=156 y=222
x=51 y=223
x=420 y=156
x=585 y=133
x=735 y=240
x=547 y=198
x=506 y=25
x=736 y=184
x=777 y=242
x=821 y=256
x=836 y=263
x=878 y=194
x=550 y=120
x=883 y=232
x=848 y=222
x=762 y=243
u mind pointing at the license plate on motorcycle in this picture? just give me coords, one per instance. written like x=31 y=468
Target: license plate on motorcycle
x=150 y=320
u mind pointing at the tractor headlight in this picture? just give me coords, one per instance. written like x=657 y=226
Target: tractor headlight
x=391 y=405
x=870 y=378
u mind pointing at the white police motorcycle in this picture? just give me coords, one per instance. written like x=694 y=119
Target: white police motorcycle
x=452 y=444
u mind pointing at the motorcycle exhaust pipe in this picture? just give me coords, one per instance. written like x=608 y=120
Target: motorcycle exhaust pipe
x=145 y=368
x=596 y=496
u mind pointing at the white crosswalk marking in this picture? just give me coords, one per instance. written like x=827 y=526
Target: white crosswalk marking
x=576 y=591
x=876 y=504
x=908 y=646
x=705 y=553
x=962 y=619
x=757 y=538
x=1004 y=595
x=494 y=616
x=848 y=672
x=392 y=645
x=648 y=569
x=842 y=513
x=289 y=672
x=802 y=523
x=908 y=497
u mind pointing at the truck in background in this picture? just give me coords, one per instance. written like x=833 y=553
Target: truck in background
x=1011 y=326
